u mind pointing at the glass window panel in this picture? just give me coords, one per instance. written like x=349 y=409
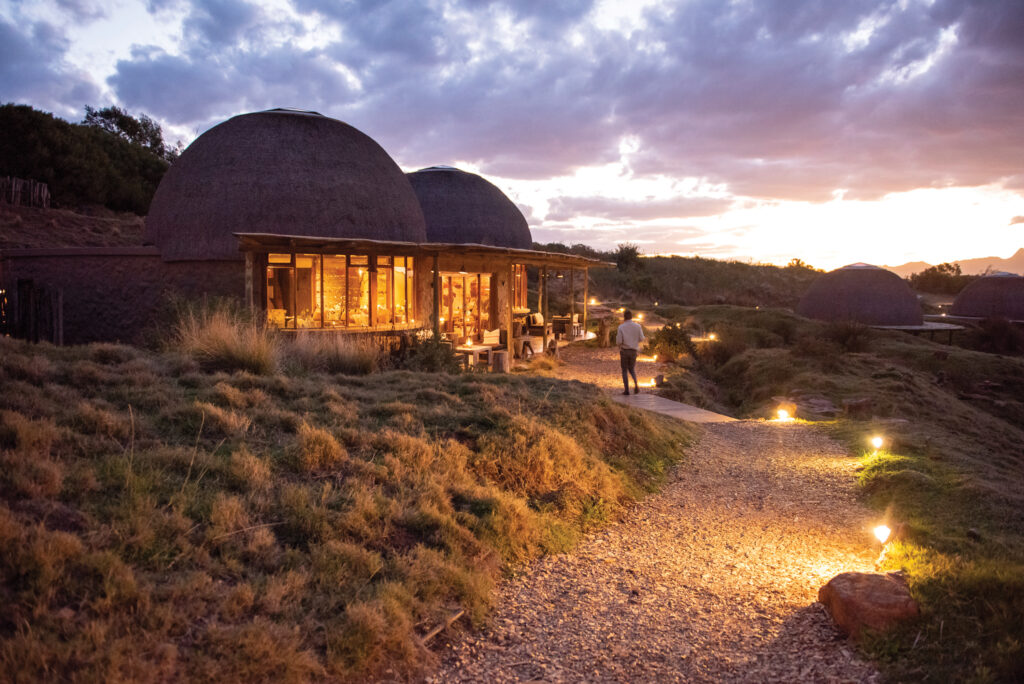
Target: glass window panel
x=359 y=260
x=485 y=302
x=458 y=307
x=279 y=259
x=446 y=304
x=411 y=289
x=472 y=305
x=307 y=291
x=334 y=291
x=280 y=288
x=385 y=294
x=358 y=293
x=383 y=261
x=401 y=301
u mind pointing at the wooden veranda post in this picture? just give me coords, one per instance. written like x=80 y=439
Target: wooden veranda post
x=249 y=268
x=586 y=299
x=510 y=292
x=544 y=303
x=437 y=301
x=572 y=293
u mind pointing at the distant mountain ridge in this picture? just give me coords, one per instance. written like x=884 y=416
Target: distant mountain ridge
x=1013 y=264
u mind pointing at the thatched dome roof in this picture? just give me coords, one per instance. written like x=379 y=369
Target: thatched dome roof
x=863 y=293
x=996 y=295
x=462 y=207
x=285 y=172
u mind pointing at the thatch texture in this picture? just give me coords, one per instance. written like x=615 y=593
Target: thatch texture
x=280 y=171
x=997 y=295
x=863 y=293
x=462 y=207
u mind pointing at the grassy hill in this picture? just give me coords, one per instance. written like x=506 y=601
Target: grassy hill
x=950 y=476
x=164 y=520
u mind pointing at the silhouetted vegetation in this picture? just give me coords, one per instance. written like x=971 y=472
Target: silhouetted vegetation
x=942 y=279
x=109 y=162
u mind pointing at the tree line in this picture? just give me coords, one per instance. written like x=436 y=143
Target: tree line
x=111 y=158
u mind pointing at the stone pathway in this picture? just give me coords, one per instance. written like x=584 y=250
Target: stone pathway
x=712 y=579
x=652 y=402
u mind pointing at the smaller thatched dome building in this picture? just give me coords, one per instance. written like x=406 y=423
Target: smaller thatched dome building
x=998 y=295
x=462 y=207
x=863 y=293
x=282 y=172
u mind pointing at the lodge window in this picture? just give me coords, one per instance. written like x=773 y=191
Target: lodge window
x=340 y=291
x=465 y=304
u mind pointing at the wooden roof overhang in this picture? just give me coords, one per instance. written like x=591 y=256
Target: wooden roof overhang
x=270 y=242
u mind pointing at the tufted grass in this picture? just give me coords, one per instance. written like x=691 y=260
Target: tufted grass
x=163 y=519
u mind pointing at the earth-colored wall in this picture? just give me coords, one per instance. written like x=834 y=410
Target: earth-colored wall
x=119 y=294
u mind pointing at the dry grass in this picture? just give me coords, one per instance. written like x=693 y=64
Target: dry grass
x=176 y=519
x=950 y=472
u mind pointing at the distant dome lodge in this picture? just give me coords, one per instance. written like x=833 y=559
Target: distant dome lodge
x=863 y=293
x=997 y=295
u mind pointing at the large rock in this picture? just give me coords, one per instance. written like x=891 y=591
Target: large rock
x=859 y=600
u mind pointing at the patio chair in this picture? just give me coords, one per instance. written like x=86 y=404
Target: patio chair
x=535 y=325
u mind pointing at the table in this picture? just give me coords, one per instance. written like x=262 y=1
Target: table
x=471 y=352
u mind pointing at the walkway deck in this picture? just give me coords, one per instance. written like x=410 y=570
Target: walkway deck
x=652 y=402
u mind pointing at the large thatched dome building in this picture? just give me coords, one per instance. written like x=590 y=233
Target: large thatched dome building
x=995 y=295
x=309 y=221
x=862 y=293
x=464 y=208
x=282 y=172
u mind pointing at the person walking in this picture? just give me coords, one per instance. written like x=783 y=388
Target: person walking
x=629 y=337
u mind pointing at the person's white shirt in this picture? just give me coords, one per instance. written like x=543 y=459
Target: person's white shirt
x=629 y=335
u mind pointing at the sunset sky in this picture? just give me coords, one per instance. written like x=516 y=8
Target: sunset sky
x=834 y=132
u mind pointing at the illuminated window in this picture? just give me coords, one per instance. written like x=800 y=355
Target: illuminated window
x=339 y=291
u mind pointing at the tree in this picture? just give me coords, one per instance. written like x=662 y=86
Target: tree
x=627 y=257
x=142 y=131
x=942 y=279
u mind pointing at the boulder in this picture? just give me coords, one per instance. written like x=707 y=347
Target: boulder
x=867 y=600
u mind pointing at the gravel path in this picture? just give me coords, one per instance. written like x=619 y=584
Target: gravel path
x=712 y=579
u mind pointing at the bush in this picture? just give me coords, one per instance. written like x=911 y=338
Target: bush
x=426 y=355
x=220 y=336
x=998 y=336
x=671 y=342
x=850 y=335
x=332 y=353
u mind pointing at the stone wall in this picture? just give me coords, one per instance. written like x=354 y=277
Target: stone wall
x=119 y=294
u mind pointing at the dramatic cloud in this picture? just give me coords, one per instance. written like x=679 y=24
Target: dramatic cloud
x=763 y=101
x=564 y=208
x=33 y=70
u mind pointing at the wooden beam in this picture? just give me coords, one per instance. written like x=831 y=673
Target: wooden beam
x=510 y=277
x=586 y=300
x=437 y=301
x=250 y=298
x=572 y=292
x=544 y=303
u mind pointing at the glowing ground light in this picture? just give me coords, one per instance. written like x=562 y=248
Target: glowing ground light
x=877 y=442
x=882 y=533
x=593 y=302
x=783 y=415
x=712 y=336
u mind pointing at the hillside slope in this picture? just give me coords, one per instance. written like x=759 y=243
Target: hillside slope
x=160 y=522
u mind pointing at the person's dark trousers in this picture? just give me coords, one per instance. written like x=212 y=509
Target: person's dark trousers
x=627 y=359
